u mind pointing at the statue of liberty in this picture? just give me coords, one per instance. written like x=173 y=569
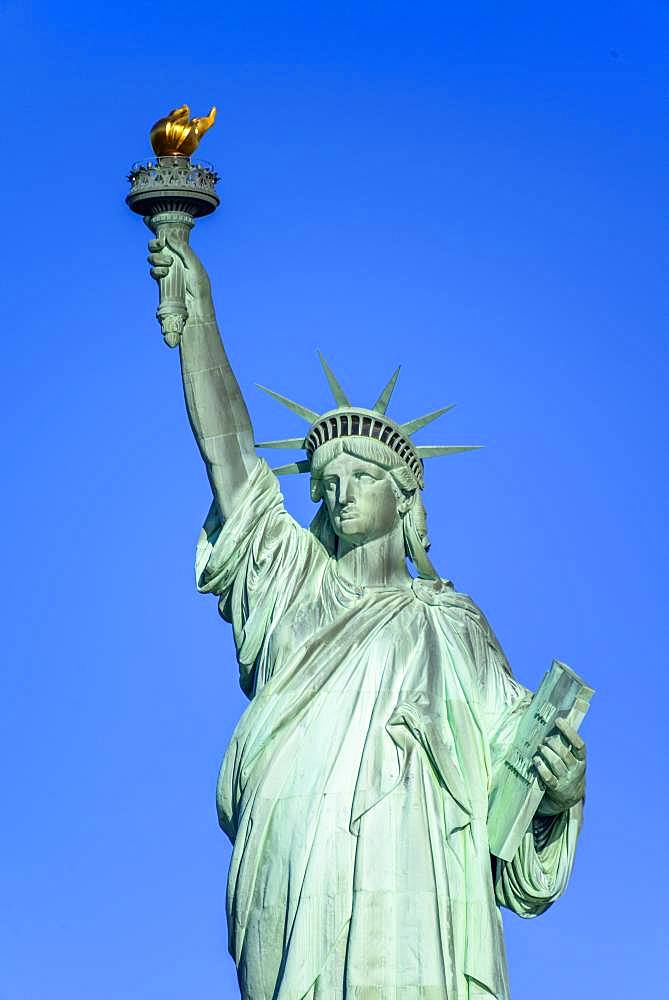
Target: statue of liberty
x=355 y=787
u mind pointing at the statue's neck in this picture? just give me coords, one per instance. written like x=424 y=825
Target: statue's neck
x=376 y=563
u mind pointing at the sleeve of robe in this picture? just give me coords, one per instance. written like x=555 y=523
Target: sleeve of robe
x=255 y=562
x=540 y=869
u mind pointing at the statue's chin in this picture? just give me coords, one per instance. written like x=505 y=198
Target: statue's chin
x=349 y=531
x=352 y=537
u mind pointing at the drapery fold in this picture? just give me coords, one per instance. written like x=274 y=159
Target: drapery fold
x=356 y=783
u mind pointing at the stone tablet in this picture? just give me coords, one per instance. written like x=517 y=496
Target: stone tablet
x=517 y=792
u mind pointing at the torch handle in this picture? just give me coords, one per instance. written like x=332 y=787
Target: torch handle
x=172 y=312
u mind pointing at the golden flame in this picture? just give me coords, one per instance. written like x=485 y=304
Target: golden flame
x=178 y=134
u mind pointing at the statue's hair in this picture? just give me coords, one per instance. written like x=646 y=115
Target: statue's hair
x=414 y=521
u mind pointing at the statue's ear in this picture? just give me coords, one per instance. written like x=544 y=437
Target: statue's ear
x=406 y=502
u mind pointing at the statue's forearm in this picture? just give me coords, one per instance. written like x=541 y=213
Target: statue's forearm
x=216 y=411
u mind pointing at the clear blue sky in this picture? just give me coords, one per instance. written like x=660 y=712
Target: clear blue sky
x=472 y=190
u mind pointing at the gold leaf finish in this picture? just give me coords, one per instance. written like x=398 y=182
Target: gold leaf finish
x=178 y=134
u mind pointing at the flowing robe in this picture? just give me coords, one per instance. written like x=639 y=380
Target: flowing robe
x=355 y=787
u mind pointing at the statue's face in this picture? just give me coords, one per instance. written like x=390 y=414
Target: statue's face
x=361 y=499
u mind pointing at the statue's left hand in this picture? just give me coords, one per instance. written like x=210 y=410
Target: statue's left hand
x=561 y=769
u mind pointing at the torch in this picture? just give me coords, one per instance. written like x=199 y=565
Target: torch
x=170 y=192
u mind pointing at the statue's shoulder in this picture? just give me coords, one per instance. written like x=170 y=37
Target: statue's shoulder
x=442 y=593
x=463 y=613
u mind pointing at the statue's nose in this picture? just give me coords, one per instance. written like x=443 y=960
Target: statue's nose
x=347 y=490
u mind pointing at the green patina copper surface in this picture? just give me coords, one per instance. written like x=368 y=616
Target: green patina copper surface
x=356 y=787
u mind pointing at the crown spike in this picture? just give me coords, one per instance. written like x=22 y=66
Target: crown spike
x=293 y=468
x=284 y=443
x=341 y=399
x=415 y=425
x=302 y=411
x=381 y=405
x=435 y=450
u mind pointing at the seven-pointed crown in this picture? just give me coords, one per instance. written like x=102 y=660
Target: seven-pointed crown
x=354 y=421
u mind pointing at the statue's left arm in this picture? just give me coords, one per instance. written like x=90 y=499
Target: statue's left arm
x=540 y=869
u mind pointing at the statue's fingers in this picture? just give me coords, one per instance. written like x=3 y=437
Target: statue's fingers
x=561 y=748
x=545 y=773
x=554 y=761
x=566 y=729
x=159 y=272
x=156 y=245
x=577 y=744
x=569 y=759
x=160 y=259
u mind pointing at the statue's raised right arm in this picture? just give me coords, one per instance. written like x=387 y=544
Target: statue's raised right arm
x=216 y=409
